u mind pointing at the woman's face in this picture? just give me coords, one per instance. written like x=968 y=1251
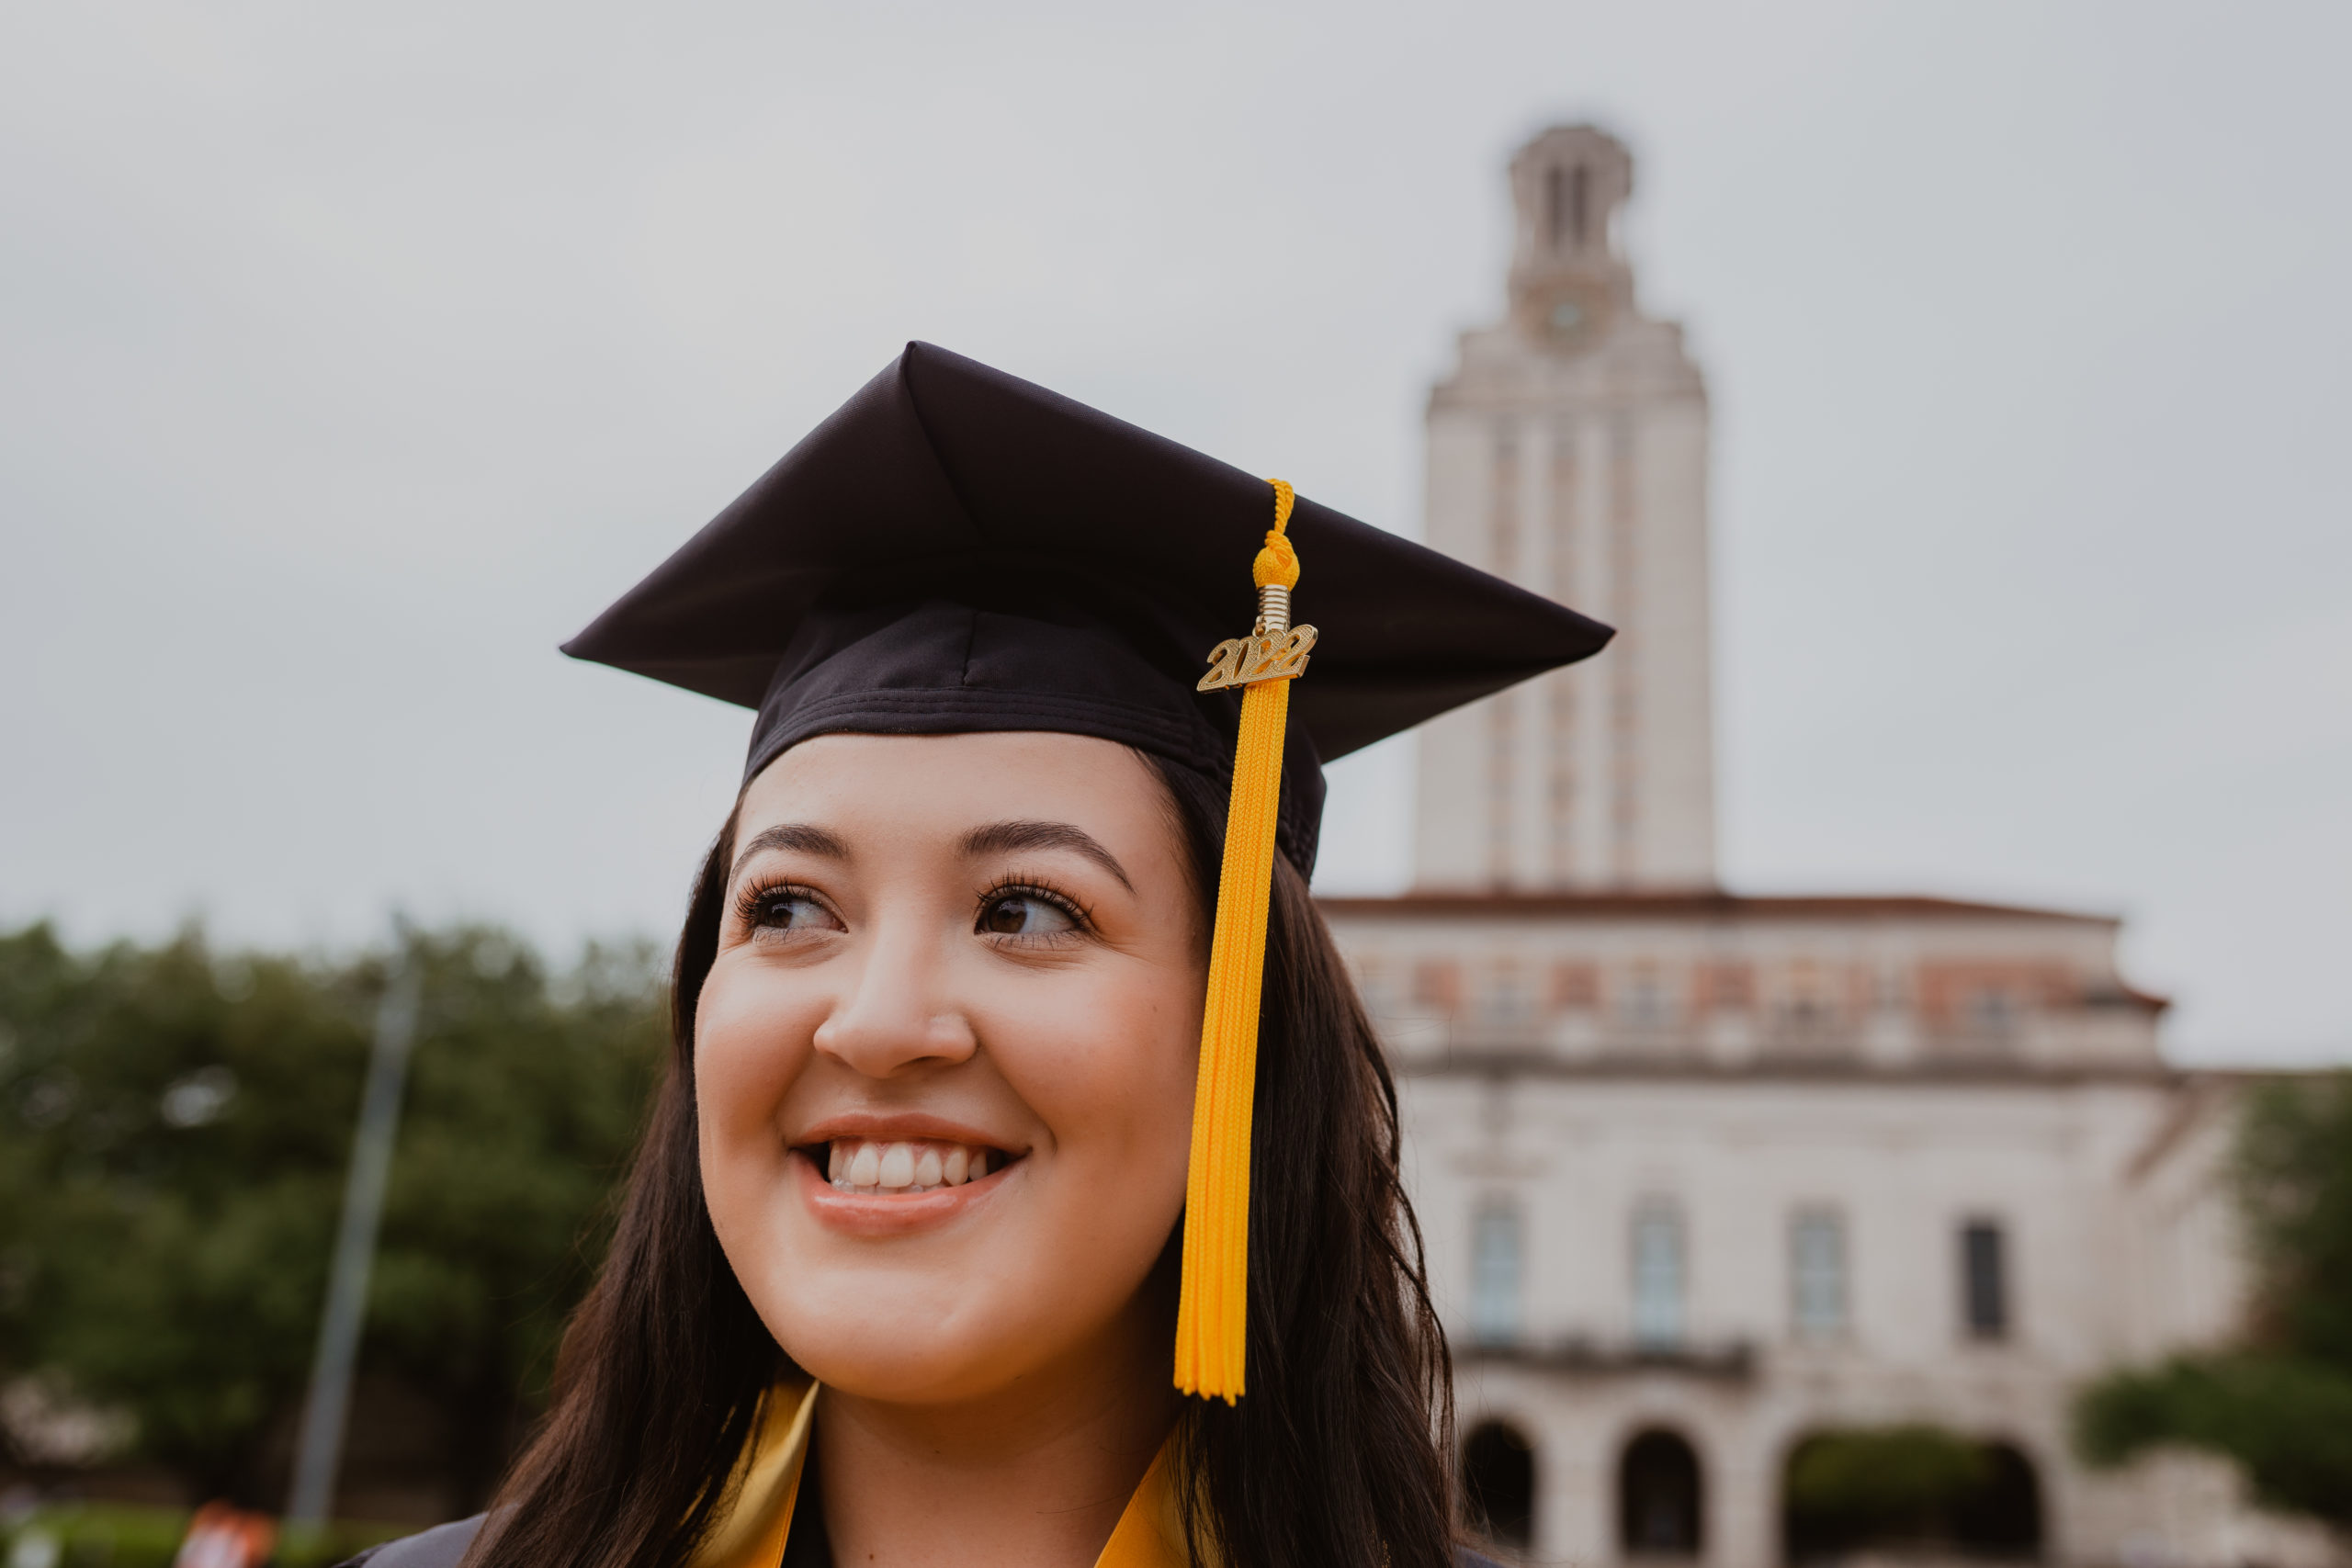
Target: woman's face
x=944 y=1059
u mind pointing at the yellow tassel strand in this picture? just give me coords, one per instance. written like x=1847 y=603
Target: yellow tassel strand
x=1211 y=1319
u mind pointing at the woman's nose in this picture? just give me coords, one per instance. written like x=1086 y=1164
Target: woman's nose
x=893 y=1015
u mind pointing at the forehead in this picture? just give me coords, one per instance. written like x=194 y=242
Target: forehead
x=915 y=784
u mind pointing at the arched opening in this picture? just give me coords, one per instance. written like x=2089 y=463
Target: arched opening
x=1568 y=207
x=1659 y=1506
x=1916 y=1488
x=1499 y=1485
x=2003 y=1516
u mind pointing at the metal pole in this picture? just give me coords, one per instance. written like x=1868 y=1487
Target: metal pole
x=319 y=1454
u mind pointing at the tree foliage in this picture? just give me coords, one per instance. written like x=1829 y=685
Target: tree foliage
x=1911 y=1486
x=175 y=1127
x=2281 y=1404
x=1894 y=1473
x=2294 y=1180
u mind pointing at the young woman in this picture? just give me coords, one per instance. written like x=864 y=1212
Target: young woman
x=1009 y=1048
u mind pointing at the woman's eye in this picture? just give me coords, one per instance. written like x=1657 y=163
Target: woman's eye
x=1024 y=914
x=790 y=911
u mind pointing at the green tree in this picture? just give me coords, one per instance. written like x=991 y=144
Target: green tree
x=524 y=1102
x=1907 y=1486
x=178 y=1123
x=2281 y=1405
x=1897 y=1480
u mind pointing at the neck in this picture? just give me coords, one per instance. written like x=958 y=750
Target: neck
x=1035 y=1475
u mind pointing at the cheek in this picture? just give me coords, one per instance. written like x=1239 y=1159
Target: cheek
x=1109 y=1069
x=752 y=1039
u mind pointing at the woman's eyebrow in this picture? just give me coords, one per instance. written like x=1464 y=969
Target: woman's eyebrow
x=799 y=837
x=1000 y=838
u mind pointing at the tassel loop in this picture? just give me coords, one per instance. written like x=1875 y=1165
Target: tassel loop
x=1277 y=564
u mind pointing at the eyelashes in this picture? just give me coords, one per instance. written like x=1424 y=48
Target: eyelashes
x=784 y=906
x=1017 y=910
x=1032 y=911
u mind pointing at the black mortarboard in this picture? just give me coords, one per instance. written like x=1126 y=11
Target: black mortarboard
x=956 y=551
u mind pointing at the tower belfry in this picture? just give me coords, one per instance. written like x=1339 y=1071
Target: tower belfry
x=1567 y=452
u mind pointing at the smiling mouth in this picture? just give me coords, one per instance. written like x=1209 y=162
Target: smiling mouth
x=905 y=1166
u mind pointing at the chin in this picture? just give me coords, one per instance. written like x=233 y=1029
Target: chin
x=947 y=1312
x=899 y=1359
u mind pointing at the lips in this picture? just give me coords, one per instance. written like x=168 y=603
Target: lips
x=906 y=1167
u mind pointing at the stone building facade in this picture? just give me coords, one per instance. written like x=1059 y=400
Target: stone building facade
x=1703 y=1176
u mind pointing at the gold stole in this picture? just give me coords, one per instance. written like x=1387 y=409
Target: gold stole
x=758 y=1521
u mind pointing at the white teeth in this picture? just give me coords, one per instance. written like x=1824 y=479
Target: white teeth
x=854 y=1166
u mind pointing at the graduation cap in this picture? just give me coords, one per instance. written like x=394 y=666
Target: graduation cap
x=957 y=550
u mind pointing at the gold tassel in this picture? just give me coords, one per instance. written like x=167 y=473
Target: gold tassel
x=1212 y=1316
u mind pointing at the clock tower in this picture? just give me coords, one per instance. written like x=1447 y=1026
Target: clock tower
x=1567 y=452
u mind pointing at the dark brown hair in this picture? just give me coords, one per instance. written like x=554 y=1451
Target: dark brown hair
x=1334 y=1456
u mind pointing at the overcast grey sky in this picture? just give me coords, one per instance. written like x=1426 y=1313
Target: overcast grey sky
x=351 y=357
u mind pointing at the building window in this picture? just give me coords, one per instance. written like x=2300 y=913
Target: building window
x=1506 y=999
x=1984 y=1286
x=1437 y=983
x=1561 y=193
x=1659 y=1270
x=1887 y=991
x=1574 y=986
x=1807 y=1013
x=1567 y=206
x=1993 y=1013
x=1494 y=1272
x=1728 y=986
x=1641 y=999
x=1818 y=1273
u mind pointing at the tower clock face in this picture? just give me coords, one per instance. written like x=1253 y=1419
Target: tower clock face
x=1573 y=314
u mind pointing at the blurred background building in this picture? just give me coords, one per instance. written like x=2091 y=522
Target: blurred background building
x=1711 y=1179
